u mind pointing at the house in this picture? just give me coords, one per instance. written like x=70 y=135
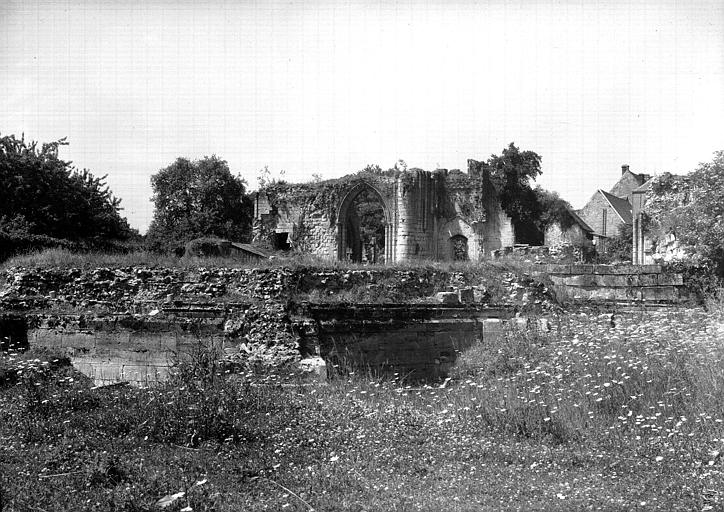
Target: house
x=569 y=231
x=606 y=212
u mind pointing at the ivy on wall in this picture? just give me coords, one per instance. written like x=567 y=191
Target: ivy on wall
x=326 y=196
x=691 y=208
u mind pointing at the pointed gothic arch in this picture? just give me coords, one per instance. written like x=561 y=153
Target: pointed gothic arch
x=345 y=227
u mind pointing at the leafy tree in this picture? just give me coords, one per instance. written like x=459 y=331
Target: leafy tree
x=511 y=173
x=44 y=196
x=691 y=208
x=372 y=218
x=196 y=199
x=553 y=209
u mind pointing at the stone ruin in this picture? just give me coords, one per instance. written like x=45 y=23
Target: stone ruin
x=441 y=215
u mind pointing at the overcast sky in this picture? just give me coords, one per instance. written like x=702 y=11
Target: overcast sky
x=328 y=87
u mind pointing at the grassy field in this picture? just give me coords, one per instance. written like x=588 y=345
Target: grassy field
x=599 y=413
x=63 y=258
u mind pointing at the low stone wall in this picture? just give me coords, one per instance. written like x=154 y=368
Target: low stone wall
x=616 y=283
x=123 y=347
x=131 y=323
x=562 y=253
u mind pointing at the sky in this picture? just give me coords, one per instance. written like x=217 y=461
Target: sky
x=327 y=87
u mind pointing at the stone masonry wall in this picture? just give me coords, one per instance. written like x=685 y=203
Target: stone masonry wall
x=611 y=283
x=132 y=323
x=593 y=215
x=419 y=209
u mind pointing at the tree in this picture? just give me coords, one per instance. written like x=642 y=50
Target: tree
x=195 y=199
x=44 y=196
x=691 y=208
x=553 y=209
x=372 y=218
x=511 y=173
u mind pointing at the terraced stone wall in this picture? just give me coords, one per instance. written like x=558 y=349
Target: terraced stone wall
x=616 y=283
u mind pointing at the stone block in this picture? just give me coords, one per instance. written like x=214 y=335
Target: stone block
x=551 y=268
x=466 y=295
x=575 y=280
x=78 y=340
x=669 y=280
x=44 y=338
x=659 y=293
x=315 y=366
x=447 y=298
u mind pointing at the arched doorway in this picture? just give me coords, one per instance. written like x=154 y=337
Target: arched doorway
x=363 y=226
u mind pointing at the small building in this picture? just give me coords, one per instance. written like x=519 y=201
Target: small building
x=606 y=212
x=569 y=231
x=246 y=252
x=218 y=247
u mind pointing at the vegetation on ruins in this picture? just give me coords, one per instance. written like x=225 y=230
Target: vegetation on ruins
x=553 y=209
x=690 y=207
x=531 y=209
x=511 y=173
x=594 y=414
x=322 y=195
x=49 y=203
x=368 y=209
x=194 y=199
x=618 y=248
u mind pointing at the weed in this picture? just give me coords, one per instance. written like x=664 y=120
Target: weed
x=588 y=416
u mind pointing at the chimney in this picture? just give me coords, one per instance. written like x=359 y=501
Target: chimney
x=624 y=169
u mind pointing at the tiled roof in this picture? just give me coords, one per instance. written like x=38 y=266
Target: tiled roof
x=580 y=221
x=621 y=206
x=250 y=249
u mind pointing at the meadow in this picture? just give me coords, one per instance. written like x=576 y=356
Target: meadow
x=600 y=412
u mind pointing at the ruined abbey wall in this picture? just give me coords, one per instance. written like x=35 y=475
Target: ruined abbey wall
x=442 y=215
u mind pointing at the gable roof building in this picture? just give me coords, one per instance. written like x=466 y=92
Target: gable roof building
x=606 y=212
x=578 y=233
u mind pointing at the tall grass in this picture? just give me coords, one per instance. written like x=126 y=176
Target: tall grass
x=64 y=258
x=655 y=382
x=598 y=413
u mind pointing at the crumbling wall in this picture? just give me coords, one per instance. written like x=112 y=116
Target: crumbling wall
x=556 y=236
x=132 y=323
x=422 y=211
